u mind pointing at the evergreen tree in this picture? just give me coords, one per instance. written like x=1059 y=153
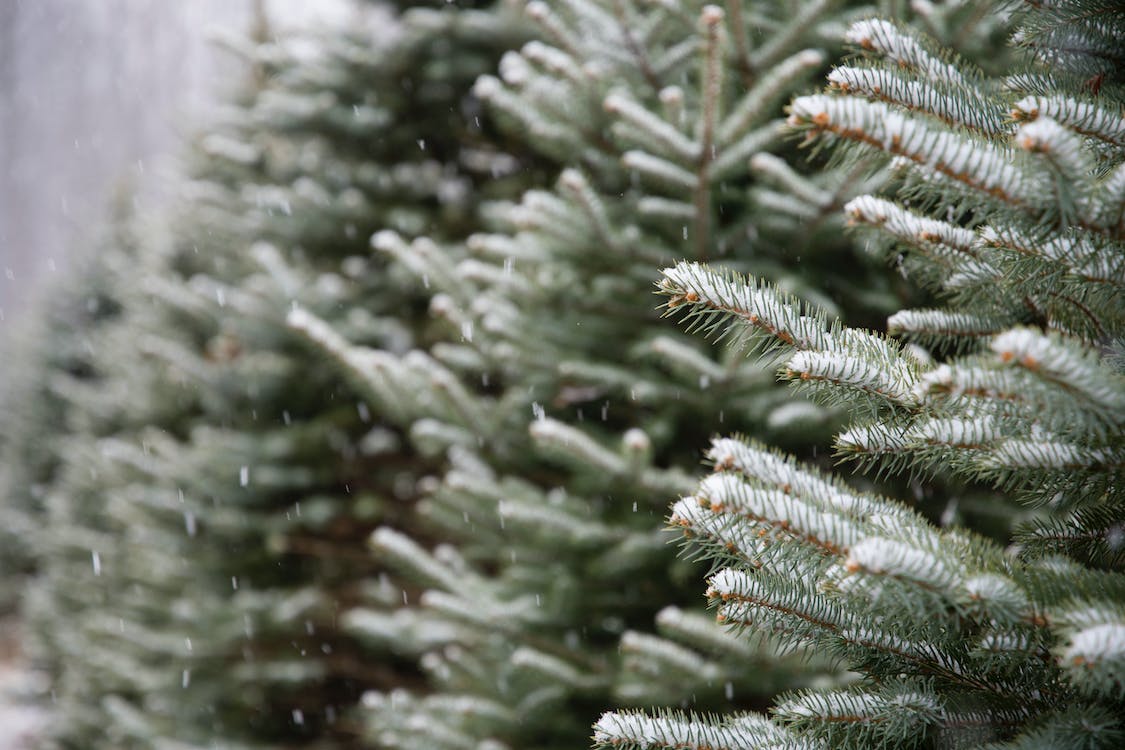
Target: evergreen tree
x=49 y=346
x=207 y=526
x=204 y=579
x=1010 y=209
x=566 y=410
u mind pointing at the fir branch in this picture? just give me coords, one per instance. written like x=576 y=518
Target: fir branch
x=712 y=84
x=896 y=715
x=904 y=50
x=672 y=100
x=979 y=165
x=942 y=327
x=677 y=731
x=652 y=128
x=757 y=101
x=783 y=39
x=887 y=557
x=710 y=297
x=742 y=50
x=1083 y=254
x=892 y=381
x=796 y=186
x=1069 y=165
x=1093 y=654
x=661 y=171
x=722 y=538
x=832 y=533
x=1067 y=365
x=972 y=113
x=1083 y=117
x=625 y=24
x=788 y=608
x=662 y=656
x=756 y=462
x=1093 y=535
x=858 y=360
x=702 y=632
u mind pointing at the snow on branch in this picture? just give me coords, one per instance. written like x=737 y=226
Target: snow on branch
x=890 y=380
x=972 y=162
x=645 y=126
x=1093 y=654
x=865 y=718
x=971 y=381
x=1062 y=148
x=964 y=433
x=970 y=112
x=908 y=226
x=858 y=360
x=901 y=48
x=1083 y=118
x=1083 y=254
x=699 y=522
x=634 y=730
x=775 y=470
x=889 y=557
x=726 y=493
x=406 y=554
x=800 y=614
x=1067 y=364
x=710 y=296
x=956 y=329
x=659 y=171
x=1047 y=452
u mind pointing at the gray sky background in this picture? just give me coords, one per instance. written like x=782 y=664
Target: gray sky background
x=94 y=93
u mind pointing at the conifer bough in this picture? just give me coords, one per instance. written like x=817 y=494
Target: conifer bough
x=1016 y=225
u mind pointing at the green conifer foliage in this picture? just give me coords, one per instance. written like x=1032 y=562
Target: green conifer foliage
x=207 y=528
x=49 y=347
x=1010 y=210
x=566 y=410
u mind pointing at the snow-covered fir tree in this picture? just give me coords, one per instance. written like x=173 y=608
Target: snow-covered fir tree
x=239 y=542
x=206 y=528
x=49 y=347
x=566 y=409
x=1011 y=209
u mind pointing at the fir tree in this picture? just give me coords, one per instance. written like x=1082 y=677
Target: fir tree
x=1010 y=210
x=50 y=346
x=566 y=410
x=206 y=528
x=204 y=578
